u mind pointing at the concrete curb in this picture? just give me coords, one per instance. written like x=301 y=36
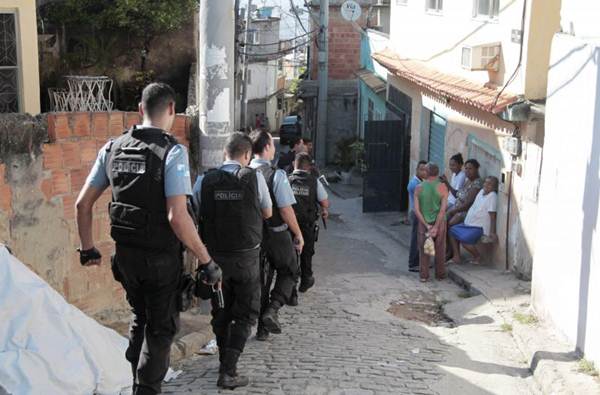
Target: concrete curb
x=546 y=373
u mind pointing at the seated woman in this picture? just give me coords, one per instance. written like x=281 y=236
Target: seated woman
x=480 y=223
x=457 y=181
x=466 y=195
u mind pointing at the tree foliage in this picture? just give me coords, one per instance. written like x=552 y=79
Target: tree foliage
x=103 y=20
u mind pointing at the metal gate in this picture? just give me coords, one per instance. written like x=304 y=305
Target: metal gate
x=437 y=140
x=386 y=154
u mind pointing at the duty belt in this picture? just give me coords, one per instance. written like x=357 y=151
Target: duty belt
x=280 y=228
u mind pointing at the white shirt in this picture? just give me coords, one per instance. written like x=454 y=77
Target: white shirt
x=478 y=214
x=457 y=181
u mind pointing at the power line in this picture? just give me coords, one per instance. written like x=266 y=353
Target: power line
x=280 y=41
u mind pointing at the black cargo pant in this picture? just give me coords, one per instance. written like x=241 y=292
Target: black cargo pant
x=279 y=252
x=308 y=233
x=151 y=281
x=232 y=324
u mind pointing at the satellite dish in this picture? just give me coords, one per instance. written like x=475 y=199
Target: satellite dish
x=350 y=10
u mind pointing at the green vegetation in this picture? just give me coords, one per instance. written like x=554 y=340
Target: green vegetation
x=464 y=294
x=350 y=153
x=525 y=319
x=587 y=367
x=506 y=327
x=93 y=26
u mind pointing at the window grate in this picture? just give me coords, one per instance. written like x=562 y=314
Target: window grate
x=9 y=67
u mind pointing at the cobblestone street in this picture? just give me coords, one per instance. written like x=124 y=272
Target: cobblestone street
x=342 y=340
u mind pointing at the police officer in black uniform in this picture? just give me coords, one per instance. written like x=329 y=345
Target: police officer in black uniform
x=148 y=173
x=278 y=246
x=310 y=195
x=232 y=202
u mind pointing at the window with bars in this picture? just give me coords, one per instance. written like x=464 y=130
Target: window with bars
x=488 y=9
x=371 y=109
x=9 y=65
x=435 y=6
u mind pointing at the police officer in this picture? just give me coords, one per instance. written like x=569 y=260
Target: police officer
x=278 y=246
x=148 y=172
x=286 y=159
x=232 y=203
x=310 y=194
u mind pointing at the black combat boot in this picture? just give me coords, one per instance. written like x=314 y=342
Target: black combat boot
x=261 y=333
x=294 y=298
x=306 y=284
x=229 y=379
x=270 y=320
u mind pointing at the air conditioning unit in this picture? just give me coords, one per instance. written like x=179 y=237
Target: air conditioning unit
x=481 y=57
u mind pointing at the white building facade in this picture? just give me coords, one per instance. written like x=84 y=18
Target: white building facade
x=566 y=267
x=471 y=77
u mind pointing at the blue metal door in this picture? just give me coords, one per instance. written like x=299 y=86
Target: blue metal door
x=437 y=140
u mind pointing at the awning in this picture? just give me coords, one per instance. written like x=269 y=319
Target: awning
x=445 y=85
x=375 y=83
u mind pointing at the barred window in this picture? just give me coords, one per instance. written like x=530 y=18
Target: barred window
x=9 y=67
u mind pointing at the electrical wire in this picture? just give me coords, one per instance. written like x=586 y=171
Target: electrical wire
x=279 y=42
x=281 y=52
x=520 y=63
x=295 y=11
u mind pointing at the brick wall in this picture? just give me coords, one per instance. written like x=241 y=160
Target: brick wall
x=344 y=47
x=40 y=178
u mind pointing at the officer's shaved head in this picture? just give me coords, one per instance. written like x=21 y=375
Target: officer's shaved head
x=303 y=161
x=156 y=99
x=433 y=169
x=238 y=144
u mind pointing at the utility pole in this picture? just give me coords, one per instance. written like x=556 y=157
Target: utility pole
x=216 y=78
x=321 y=138
x=247 y=35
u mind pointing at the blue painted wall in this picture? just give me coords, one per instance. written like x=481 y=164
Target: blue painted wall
x=365 y=93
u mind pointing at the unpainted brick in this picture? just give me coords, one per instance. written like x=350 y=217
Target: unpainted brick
x=88 y=151
x=6 y=198
x=71 y=155
x=60 y=182
x=100 y=125
x=69 y=207
x=81 y=124
x=78 y=179
x=62 y=127
x=116 y=123
x=53 y=156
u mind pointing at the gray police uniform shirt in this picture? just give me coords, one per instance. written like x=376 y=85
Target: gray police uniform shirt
x=282 y=190
x=177 y=171
x=230 y=166
x=321 y=191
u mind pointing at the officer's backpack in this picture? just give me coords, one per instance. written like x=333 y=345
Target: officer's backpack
x=230 y=215
x=304 y=186
x=135 y=165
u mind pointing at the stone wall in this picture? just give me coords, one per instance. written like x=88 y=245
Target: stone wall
x=44 y=162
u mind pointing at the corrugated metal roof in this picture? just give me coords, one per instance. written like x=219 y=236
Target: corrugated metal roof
x=445 y=85
x=376 y=84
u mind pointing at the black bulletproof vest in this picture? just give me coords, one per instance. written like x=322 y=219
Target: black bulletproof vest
x=135 y=165
x=268 y=173
x=304 y=186
x=230 y=214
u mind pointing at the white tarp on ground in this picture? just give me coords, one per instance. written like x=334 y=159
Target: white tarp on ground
x=48 y=346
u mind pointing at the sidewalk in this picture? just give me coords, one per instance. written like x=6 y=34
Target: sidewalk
x=552 y=361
